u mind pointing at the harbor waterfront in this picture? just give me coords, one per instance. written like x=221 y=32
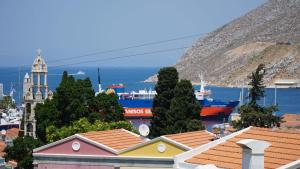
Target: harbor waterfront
x=133 y=77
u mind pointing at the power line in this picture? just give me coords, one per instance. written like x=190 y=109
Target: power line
x=128 y=47
x=123 y=48
x=115 y=58
x=121 y=57
x=111 y=51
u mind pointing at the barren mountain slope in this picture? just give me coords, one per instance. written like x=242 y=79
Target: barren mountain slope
x=269 y=34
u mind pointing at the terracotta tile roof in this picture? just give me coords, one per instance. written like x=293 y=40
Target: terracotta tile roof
x=2 y=147
x=12 y=133
x=291 y=120
x=117 y=139
x=285 y=148
x=192 y=139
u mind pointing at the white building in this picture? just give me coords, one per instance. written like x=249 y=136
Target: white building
x=1 y=91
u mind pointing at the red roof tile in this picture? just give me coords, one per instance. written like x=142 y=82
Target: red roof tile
x=285 y=148
x=117 y=139
x=192 y=139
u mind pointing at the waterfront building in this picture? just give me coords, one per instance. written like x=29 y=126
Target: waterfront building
x=253 y=147
x=35 y=90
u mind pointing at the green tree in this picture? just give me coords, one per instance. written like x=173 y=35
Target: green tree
x=21 y=151
x=70 y=102
x=252 y=114
x=167 y=80
x=47 y=114
x=184 y=113
x=257 y=87
x=83 y=125
x=106 y=107
x=6 y=102
x=72 y=98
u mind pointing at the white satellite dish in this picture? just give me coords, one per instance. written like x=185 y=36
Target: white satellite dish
x=144 y=130
x=3 y=132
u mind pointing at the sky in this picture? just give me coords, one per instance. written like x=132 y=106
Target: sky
x=83 y=33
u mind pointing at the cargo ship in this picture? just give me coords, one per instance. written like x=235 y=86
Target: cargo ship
x=213 y=108
x=135 y=104
x=139 y=104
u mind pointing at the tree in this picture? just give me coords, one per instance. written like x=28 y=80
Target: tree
x=7 y=102
x=106 y=107
x=184 y=113
x=21 y=151
x=252 y=114
x=47 y=114
x=167 y=80
x=257 y=87
x=72 y=98
x=83 y=125
x=70 y=102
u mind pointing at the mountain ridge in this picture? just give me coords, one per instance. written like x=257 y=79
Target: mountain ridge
x=269 y=34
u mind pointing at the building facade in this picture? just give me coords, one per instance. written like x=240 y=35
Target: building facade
x=35 y=90
x=1 y=91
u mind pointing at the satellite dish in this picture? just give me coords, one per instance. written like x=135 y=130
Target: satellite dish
x=3 y=132
x=144 y=130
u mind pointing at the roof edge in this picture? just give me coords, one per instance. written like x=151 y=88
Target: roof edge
x=78 y=136
x=101 y=156
x=53 y=144
x=184 y=156
x=97 y=144
x=161 y=138
x=291 y=165
x=176 y=143
x=130 y=132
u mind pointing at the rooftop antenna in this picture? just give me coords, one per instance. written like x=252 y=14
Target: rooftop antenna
x=99 y=82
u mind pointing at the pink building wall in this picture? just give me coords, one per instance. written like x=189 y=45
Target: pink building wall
x=71 y=166
x=85 y=149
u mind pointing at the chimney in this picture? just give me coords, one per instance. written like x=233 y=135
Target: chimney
x=253 y=153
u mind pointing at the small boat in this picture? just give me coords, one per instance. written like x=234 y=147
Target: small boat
x=80 y=72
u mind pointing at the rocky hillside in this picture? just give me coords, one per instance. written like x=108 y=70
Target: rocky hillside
x=269 y=34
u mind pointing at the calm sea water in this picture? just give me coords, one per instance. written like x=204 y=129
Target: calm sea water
x=288 y=100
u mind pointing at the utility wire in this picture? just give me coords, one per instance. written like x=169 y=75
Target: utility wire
x=107 y=51
x=121 y=57
x=113 y=58
x=123 y=48
x=128 y=47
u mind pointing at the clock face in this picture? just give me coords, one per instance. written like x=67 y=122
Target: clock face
x=161 y=148
x=75 y=145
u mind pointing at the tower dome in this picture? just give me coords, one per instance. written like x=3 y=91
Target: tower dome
x=39 y=65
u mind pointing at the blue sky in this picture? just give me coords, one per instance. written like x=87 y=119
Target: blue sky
x=69 y=28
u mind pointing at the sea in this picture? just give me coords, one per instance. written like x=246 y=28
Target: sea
x=288 y=100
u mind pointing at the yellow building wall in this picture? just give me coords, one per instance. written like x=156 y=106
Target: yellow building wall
x=150 y=150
